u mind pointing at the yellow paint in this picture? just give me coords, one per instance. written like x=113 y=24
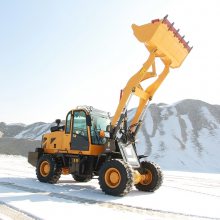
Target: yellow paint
x=65 y=171
x=44 y=168
x=112 y=177
x=146 y=178
x=137 y=177
x=157 y=35
x=62 y=144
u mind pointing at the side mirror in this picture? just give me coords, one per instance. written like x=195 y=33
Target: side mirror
x=57 y=121
x=88 y=120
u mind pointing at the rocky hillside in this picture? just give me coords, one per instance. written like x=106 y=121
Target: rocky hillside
x=19 y=139
x=22 y=131
x=181 y=136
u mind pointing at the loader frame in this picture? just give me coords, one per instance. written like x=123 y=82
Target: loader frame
x=113 y=156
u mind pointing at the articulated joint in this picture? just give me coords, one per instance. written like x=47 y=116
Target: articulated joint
x=137 y=177
x=144 y=179
x=127 y=136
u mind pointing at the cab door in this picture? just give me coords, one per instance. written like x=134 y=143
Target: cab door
x=80 y=140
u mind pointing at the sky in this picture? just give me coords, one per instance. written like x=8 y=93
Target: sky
x=56 y=55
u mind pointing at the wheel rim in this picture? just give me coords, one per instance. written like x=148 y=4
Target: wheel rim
x=44 y=168
x=146 y=178
x=112 y=177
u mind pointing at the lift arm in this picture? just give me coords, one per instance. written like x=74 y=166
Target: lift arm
x=163 y=42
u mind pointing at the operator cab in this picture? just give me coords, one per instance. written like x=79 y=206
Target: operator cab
x=85 y=124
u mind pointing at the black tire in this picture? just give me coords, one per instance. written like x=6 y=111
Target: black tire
x=47 y=170
x=116 y=178
x=154 y=177
x=78 y=178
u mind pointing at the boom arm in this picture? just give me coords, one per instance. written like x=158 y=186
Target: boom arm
x=134 y=87
x=163 y=42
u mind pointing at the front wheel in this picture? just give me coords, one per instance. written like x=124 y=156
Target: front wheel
x=152 y=177
x=47 y=170
x=116 y=178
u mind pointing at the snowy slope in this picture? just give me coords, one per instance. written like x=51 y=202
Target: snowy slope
x=183 y=136
x=182 y=196
x=20 y=131
x=34 y=131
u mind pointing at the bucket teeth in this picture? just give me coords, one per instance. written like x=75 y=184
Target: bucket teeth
x=165 y=38
x=176 y=33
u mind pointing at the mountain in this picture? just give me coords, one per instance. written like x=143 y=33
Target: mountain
x=19 y=139
x=21 y=131
x=182 y=136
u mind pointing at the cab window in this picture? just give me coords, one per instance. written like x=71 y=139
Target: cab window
x=68 y=122
x=79 y=124
x=98 y=123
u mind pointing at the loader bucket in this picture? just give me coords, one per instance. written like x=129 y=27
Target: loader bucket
x=160 y=35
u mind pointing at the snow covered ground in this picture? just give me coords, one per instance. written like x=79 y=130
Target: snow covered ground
x=182 y=196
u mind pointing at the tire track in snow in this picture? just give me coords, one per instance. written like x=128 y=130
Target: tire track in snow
x=189 y=178
x=190 y=190
x=117 y=206
x=187 y=181
x=9 y=212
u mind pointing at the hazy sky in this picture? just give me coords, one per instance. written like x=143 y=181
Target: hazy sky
x=55 y=55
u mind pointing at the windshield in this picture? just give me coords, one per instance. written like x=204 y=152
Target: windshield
x=98 y=123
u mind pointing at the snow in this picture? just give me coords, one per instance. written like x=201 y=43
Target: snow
x=183 y=195
x=182 y=140
x=149 y=123
x=34 y=131
x=17 y=124
x=206 y=113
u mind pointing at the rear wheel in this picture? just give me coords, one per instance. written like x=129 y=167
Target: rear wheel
x=152 y=177
x=79 y=178
x=115 y=178
x=47 y=170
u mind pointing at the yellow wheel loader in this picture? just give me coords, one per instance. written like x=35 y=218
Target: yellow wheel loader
x=91 y=143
